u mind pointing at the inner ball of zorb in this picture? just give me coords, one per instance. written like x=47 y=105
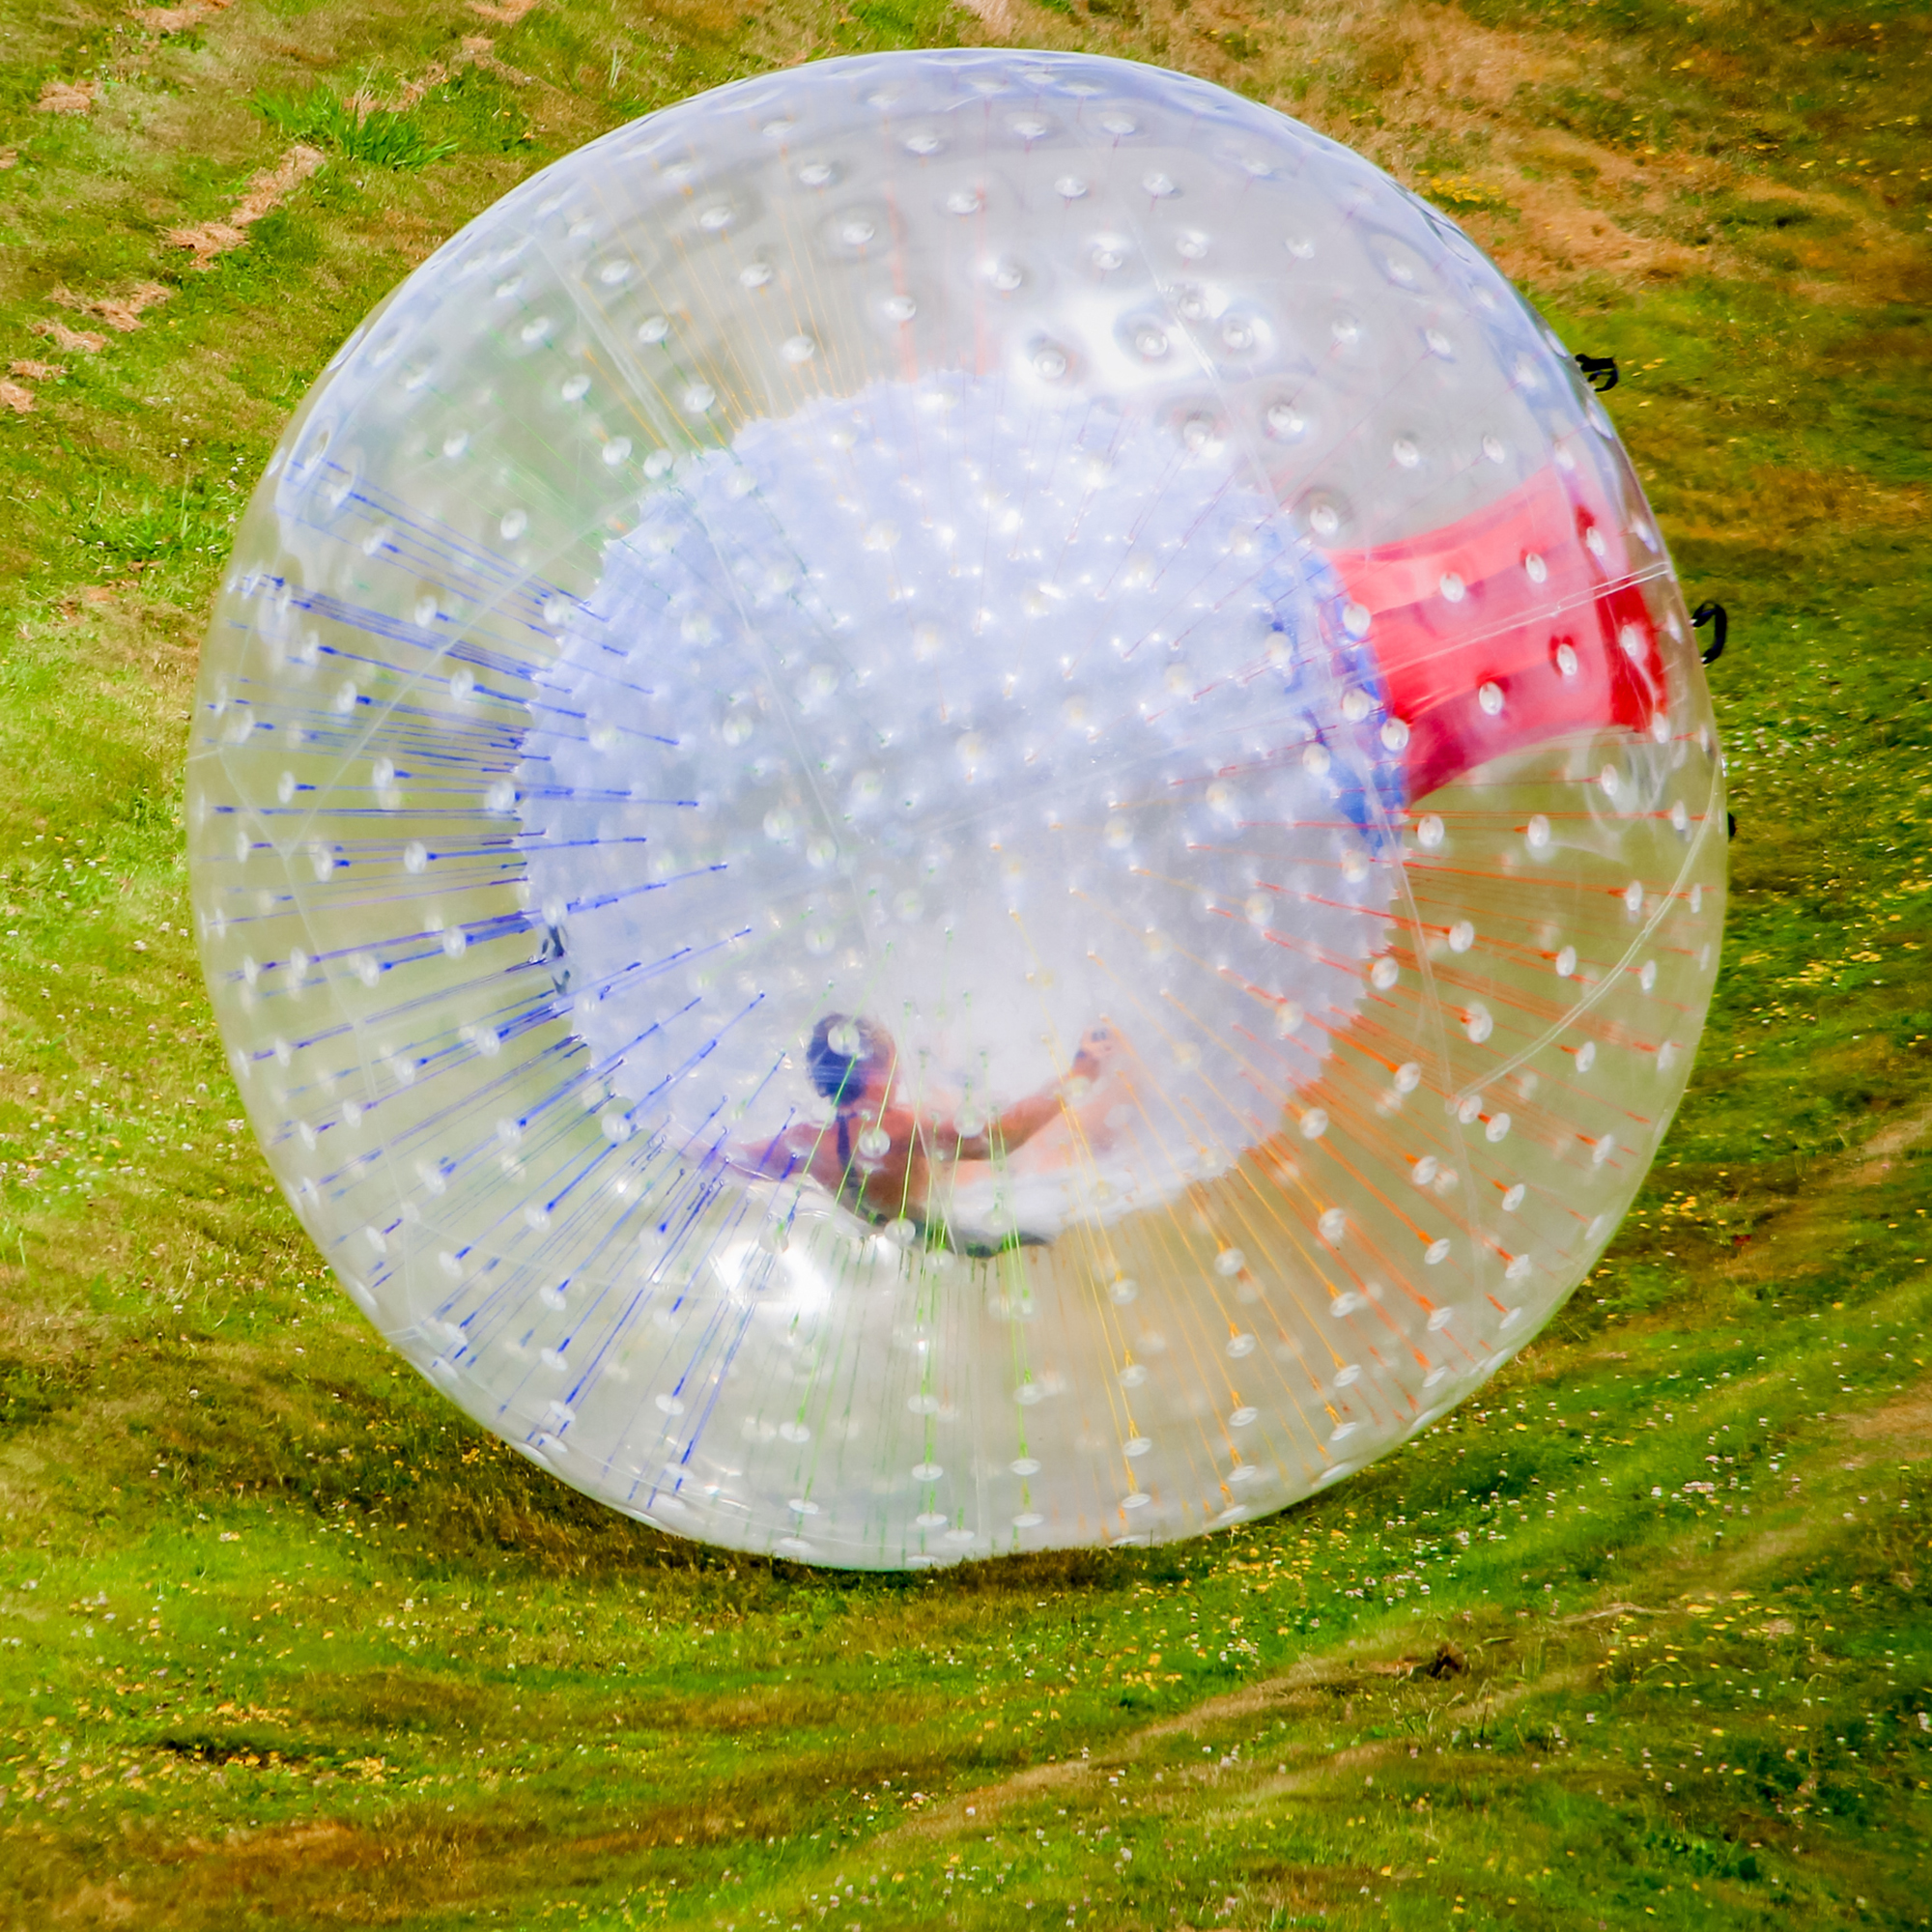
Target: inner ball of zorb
x=955 y=803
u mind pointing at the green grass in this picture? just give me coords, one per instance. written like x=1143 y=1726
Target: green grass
x=1644 y=1636
x=381 y=136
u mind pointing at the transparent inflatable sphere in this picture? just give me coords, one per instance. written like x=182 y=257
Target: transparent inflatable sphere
x=955 y=803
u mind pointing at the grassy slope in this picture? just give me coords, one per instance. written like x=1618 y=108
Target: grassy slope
x=283 y=1639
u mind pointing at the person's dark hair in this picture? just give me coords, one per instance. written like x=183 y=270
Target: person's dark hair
x=835 y=1075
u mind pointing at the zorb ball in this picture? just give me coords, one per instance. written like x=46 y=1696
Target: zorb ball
x=955 y=803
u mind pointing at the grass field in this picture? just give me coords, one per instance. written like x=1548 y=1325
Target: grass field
x=1642 y=1636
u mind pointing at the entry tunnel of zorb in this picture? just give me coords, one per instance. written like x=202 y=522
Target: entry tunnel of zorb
x=955 y=803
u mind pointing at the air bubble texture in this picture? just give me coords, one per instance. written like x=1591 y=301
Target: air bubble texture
x=951 y=804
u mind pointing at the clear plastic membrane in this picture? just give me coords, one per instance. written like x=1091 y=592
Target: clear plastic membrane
x=957 y=802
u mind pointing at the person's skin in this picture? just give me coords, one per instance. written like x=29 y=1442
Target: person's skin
x=898 y=1183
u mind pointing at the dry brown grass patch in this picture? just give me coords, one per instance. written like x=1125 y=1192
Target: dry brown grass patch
x=120 y=313
x=1444 y=55
x=67 y=96
x=70 y=341
x=1440 y=77
x=1903 y=1426
x=1796 y=502
x=997 y=17
x=476 y=50
x=1582 y=207
x=267 y=193
x=179 y=19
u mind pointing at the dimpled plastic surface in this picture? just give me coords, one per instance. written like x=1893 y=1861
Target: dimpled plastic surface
x=954 y=803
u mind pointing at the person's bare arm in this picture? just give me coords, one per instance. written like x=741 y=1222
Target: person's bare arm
x=1024 y=1118
x=785 y=1155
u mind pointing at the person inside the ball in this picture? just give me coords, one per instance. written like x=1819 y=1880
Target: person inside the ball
x=885 y=1157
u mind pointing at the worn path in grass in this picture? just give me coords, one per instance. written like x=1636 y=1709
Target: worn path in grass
x=1639 y=1635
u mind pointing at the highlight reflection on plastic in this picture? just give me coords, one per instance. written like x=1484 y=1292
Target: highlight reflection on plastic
x=951 y=803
